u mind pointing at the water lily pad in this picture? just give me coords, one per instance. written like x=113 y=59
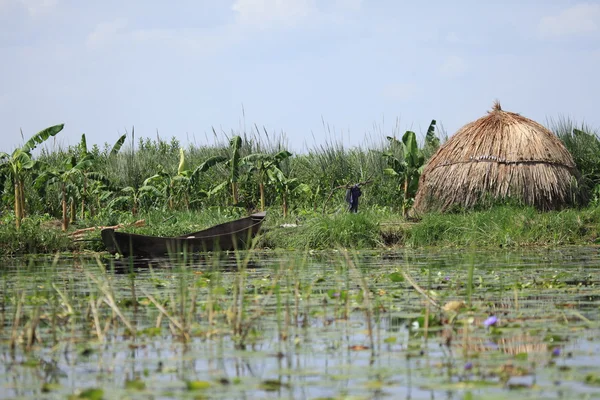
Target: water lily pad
x=396 y=277
x=592 y=379
x=135 y=384
x=51 y=387
x=198 y=385
x=271 y=385
x=88 y=394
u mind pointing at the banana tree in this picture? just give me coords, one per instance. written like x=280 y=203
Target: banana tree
x=91 y=173
x=66 y=177
x=233 y=163
x=261 y=163
x=286 y=187
x=135 y=196
x=408 y=165
x=178 y=186
x=19 y=162
x=432 y=142
x=234 y=167
x=406 y=168
x=100 y=191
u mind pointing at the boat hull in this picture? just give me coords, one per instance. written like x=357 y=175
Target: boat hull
x=234 y=235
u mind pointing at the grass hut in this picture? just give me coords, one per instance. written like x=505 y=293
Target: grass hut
x=501 y=156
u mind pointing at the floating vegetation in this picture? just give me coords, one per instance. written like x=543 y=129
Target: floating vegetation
x=329 y=324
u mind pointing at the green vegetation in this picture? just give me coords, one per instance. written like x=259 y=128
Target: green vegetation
x=583 y=144
x=176 y=189
x=15 y=166
x=260 y=324
x=408 y=165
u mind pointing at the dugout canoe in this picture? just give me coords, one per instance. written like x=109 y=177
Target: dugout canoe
x=233 y=235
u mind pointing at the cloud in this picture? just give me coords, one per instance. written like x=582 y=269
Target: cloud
x=453 y=66
x=189 y=41
x=265 y=13
x=581 y=19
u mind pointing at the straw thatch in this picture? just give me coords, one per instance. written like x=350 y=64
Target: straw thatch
x=500 y=156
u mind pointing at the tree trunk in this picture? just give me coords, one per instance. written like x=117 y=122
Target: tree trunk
x=83 y=197
x=17 y=205
x=65 y=220
x=22 y=198
x=234 y=190
x=405 y=196
x=285 y=205
x=73 y=216
x=262 y=196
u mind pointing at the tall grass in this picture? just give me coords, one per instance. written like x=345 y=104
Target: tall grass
x=584 y=145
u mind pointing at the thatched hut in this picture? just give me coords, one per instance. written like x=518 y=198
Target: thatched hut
x=500 y=156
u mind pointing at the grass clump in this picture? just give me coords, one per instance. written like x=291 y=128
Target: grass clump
x=506 y=226
x=37 y=234
x=329 y=231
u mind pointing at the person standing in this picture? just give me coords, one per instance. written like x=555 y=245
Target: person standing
x=352 y=195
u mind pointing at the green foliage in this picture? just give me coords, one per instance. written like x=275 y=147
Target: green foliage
x=37 y=234
x=432 y=142
x=117 y=146
x=19 y=162
x=88 y=394
x=584 y=145
x=505 y=226
x=41 y=137
x=158 y=176
x=406 y=161
x=161 y=175
x=330 y=231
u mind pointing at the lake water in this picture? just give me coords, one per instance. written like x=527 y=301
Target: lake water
x=300 y=325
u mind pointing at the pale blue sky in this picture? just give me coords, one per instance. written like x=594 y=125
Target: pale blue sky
x=102 y=66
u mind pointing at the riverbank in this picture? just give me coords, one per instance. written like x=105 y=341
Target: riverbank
x=501 y=226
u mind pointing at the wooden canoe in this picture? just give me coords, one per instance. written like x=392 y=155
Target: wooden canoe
x=232 y=235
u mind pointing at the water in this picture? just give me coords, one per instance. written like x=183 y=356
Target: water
x=296 y=325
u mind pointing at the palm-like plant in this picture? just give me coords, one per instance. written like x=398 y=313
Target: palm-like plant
x=234 y=167
x=408 y=165
x=176 y=186
x=90 y=169
x=100 y=191
x=233 y=162
x=19 y=162
x=286 y=187
x=261 y=164
x=66 y=177
x=135 y=196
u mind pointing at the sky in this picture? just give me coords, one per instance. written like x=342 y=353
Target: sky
x=364 y=69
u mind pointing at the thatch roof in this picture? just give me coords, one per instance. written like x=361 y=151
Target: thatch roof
x=501 y=155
